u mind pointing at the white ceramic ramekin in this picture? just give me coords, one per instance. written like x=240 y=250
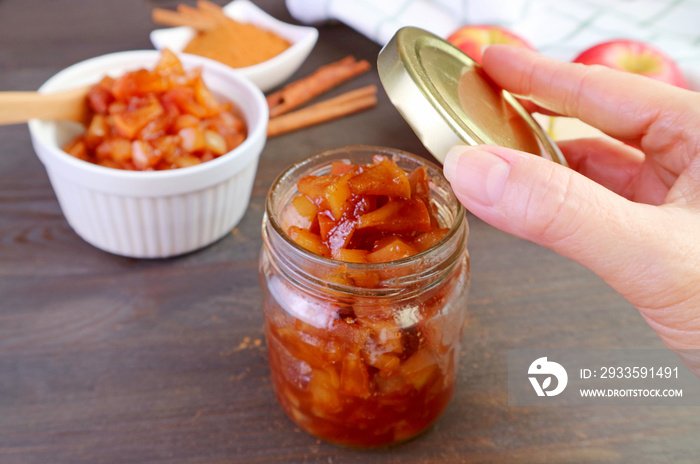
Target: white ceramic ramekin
x=152 y=214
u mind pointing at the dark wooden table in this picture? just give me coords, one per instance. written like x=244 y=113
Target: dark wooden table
x=115 y=360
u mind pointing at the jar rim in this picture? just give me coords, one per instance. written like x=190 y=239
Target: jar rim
x=455 y=227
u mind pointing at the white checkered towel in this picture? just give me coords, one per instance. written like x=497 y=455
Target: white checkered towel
x=558 y=28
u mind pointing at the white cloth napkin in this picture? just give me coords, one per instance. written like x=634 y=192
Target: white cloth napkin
x=558 y=28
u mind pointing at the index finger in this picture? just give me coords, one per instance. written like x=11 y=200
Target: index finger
x=635 y=109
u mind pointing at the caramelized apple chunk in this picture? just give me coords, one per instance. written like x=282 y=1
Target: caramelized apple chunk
x=385 y=178
x=398 y=216
x=308 y=240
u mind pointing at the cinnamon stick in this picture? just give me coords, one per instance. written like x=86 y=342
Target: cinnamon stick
x=196 y=14
x=212 y=9
x=327 y=110
x=176 y=18
x=323 y=79
x=347 y=96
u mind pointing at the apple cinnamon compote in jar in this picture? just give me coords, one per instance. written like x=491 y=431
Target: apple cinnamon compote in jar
x=364 y=271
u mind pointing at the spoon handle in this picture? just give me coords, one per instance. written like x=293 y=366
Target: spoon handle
x=18 y=107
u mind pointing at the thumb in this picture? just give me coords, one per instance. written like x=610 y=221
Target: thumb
x=556 y=207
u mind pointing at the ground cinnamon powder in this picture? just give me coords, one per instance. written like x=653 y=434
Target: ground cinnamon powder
x=237 y=44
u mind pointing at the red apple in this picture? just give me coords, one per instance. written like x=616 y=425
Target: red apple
x=472 y=39
x=636 y=57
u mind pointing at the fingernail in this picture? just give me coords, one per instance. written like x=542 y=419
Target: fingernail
x=476 y=173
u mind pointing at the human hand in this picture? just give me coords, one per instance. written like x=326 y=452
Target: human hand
x=628 y=211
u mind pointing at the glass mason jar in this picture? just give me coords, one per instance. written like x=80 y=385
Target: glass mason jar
x=364 y=354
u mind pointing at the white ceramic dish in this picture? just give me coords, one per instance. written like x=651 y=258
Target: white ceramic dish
x=152 y=214
x=267 y=74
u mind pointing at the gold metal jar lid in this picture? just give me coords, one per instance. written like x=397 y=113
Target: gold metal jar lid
x=447 y=98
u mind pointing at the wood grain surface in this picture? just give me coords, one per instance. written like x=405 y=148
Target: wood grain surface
x=105 y=359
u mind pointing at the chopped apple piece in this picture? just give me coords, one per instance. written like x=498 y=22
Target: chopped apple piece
x=385 y=178
x=77 y=148
x=143 y=155
x=139 y=83
x=169 y=64
x=349 y=255
x=337 y=194
x=420 y=188
x=363 y=204
x=302 y=213
x=97 y=131
x=215 y=143
x=300 y=348
x=351 y=336
x=428 y=239
x=324 y=396
x=185 y=120
x=398 y=216
x=354 y=379
x=325 y=224
x=129 y=123
x=116 y=148
x=100 y=96
x=419 y=368
x=192 y=139
x=364 y=279
x=338 y=168
x=340 y=235
x=187 y=160
x=390 y=248
x=309 y=240
x=314 y=187
x=205 y=98
x=388 y=364
x=392 y=390
x=387 y=337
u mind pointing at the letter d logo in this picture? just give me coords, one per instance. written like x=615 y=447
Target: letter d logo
x=543 y=367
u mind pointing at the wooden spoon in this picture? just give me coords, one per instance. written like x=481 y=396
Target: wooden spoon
x=69 y=105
